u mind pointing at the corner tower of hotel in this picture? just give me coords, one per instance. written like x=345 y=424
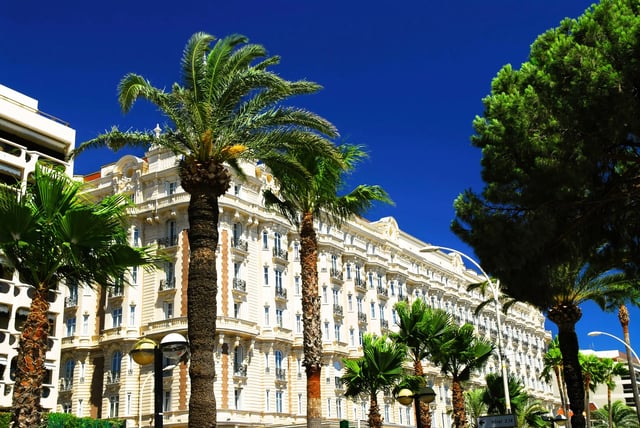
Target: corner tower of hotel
x=365 y=268
x=27 y=136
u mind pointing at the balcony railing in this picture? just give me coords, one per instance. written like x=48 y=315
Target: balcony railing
x=336 y=274
x=281 y=293
x=384 y=324
x=70 y=302
x=338 y=310
x=240 y=285
x=338 y=383
x=167 y=284
x=113 y=378
x=168 y=241
x=281 y=374
x=239 y=244
x=362 y=317
x=383 y=292
x=240 y=370
x=280 y=253
x=360 y=285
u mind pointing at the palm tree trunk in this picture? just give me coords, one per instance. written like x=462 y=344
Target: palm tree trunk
x=425 y=412
x=623 y=317
x=610 y=415
x=459 y=415
x=560 y=382
x=30 y=369
x=375 y=420
x=587 y=409
x=566 y=317
x=312 y=333
x=202 y=307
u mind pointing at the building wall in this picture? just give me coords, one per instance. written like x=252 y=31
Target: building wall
x=364 y=269
x=27 y=136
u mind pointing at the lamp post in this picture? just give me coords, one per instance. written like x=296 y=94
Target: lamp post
x=495 y=290
x=146 y=351
x=632 y=370
x=558 y=420
x=406 y=396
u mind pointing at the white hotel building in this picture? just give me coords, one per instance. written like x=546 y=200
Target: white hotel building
x=364 y=269
x=27 y=136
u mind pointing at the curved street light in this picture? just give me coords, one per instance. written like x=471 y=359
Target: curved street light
x=632 y=370
x=406 y=396
x=495 y=289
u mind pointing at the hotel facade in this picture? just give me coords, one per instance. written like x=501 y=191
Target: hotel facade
x=364 y=268
x=28 y=136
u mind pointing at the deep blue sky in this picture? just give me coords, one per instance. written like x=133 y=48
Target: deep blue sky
x=404 y=78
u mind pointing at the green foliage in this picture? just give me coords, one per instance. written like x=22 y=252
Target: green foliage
x=66 y=420
x=623 y=416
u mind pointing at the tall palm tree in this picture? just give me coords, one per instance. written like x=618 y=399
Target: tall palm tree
x=620 y=415
x=612 y=369
x=552 y=361
x=458 y=353
x=419 y=325
x=303 y=200
x=51 y=235
x=572 y=284
x=228 y=108
x=593 y=374
x=623 y=317
x=378 y=370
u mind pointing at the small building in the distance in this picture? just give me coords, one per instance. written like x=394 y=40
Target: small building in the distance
x=365 y=268
x=27 y=136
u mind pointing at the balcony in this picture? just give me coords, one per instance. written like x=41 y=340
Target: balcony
x=281 y=293
x=383 y=293
x=113 y=378
x=167 y=284
x=384 y=326
x=362 y=318
x=281 y=374
x=360 y=285
x=338 y=310
x=240 y=370
x=339 y=385
x=336 y=274
x=280 y=254
x=70 y=302
x=240 y=245
x=66 y=384
x=239 y=285
x=168 y=241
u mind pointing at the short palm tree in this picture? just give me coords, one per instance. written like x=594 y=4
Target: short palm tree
x=474 y=406
x=593 y=374
x=52 y=236
x=552 y=362
x=612 y=369
x=306 y=199
x=227 y=108
x=530 y=415
x=419 y=326
x=494 y=394
x=459 y=353
x=620 y=415
x=378 y=370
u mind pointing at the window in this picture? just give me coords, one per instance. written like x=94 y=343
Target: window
x=358 y=274
x=134 y=275
x=168 y=310
x=370 y=279
x=379 y=280
x=116 y=317
x=348 y=270
x=171 y=187
x=128 y=409
x=238 y=361
x=79 y=407
x=373 y=311
x=350 y=302
x=69 y=367
x=237 y=270
x=114 y=404
x=237 y=398
x=392 y=287
x=352 y=337
x=265 y=272
x=387 y=413
x=296 y=285
x=324 y=295
x=360 y=333
x=132 y=315
x=381 y=310
x=169 y=276
x=296 y=251
x=236 y=189
x=359 y=304
x=66 y=408
x=72 y=300
x=266 y=316
x=237 y=232
x=279 y=317
x=336 y=297
x=166 y=401
x=71 y=326
x=326 y=331
x=334 y=263
x=265 y=240
x=299 y=404
x=236 y=310
x=298 y=323
x=135 y=237
x=329 y=407
x=339 y=408
x=267 y=400
x=278 y=358
x=277 y=243
x=336 y=332
x=116 y=366
x=278 y=401
x=266 y=362
x=278 y=275
x=172 y=234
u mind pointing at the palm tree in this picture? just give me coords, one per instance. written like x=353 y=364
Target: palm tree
x=612 y=369
x=419 y=325
x=51 y=236
x=493 y=394
x=621 y=416
x=378 y=370
x=458 y=353
x=227 y=109
x=552 y=361
x=474 y=406
x=623 y=317
x=531 y=415
x=593 y=374
x=303 y=200
x=570 y=285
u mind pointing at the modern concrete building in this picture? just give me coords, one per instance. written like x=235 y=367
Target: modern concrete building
x=27 y=136
x=364 y=269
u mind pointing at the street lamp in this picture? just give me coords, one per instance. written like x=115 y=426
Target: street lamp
x=558 y=420
x=632 y=370
x=146 y=351
x=406 y=396
x=495 y=289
